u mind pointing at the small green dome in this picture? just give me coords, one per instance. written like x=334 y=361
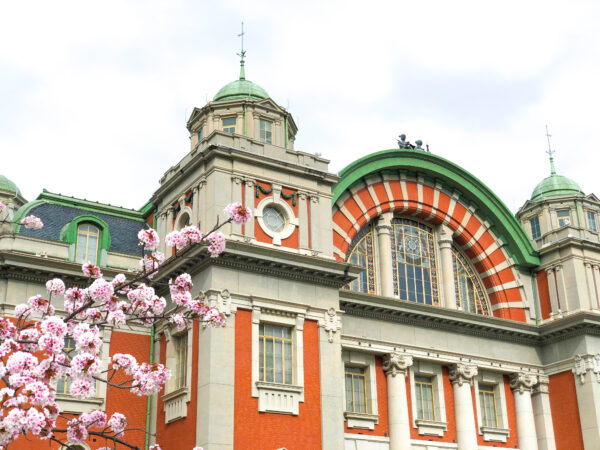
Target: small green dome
x=7 y=185
x=554 y=186
x=241 y=89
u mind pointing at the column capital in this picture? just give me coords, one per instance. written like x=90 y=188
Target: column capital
x=462 y=373
x=236 y=180
x=396 y=363
x=587 y=363
x=522 y=381
x=549 y=270
x=542 y=385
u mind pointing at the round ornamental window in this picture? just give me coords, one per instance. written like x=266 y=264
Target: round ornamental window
x=273 y=219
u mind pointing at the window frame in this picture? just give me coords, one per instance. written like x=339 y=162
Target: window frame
x=538 y=233
x=501 y=432
x=227 y=128
x=362 y=377
x=370 y=417
x=475 y=279
x=260 y=131
x=592 y=214
x=176 y=397
x=371 y=276
x=262 y=343
x=291 y=221
x=69 y=234
x=267 y=392
x=87 y=234
x=568 y=217
x=438 y=426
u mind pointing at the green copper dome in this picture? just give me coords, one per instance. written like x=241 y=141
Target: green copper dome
x=241 y=88
x=554 y=186
x=7 y=185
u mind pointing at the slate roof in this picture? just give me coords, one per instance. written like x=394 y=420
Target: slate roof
x=123 y=231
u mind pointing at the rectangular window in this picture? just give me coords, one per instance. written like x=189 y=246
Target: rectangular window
x=63 y=385
x=265 y=132
x=487 y=403
x=275 y=357
x=424 y=398
x=591 y=216
x=228 y=125
x=200 y=135
x=356 y=396
x=564 y=217
x=181 y=344
x=535 y=228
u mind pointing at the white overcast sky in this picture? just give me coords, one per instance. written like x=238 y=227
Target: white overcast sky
x=94 y=96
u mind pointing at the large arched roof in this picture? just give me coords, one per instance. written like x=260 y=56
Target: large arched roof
x=503 y=222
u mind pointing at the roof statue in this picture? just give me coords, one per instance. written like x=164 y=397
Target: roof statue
x=403 y=144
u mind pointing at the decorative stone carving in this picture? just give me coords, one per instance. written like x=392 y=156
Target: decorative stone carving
x=542 y=385
x=522 y=381
x=396 y=363
x=331 y=323
x=587 y=363
x=462 y=373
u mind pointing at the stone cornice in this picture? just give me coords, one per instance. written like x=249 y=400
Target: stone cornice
x=391 y=310
x=267 y=261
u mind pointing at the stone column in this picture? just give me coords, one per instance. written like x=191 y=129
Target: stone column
x=554 y=301
x=562 y=288
x=591 y=286
x=587 y=386
x=161 y=230
x=447 y=275
x=302 y=220
x=521 y=384
x=170 y=224
x=384 y=242
x=195 y=204
x=544 y=429
x=249 y=203
x=314 y=223
x=461 y=376
x=395 y=366
x=236 y=197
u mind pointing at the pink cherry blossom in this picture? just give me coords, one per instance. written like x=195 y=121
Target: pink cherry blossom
x=117 y=423
x=217 y=243
x=2 y=207
x=55 y=287
x=90 y=270
x=175 y=239
x=32 y=222
x=191 y=234
x=237 y=213
x=7 y=329
x=83 y=386
x=148 y=238
x=101 y=290
x=125 y=362
x=150 y=262
x=179 y=321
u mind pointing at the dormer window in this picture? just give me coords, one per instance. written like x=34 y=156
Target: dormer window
x=87 y=243
x=563 y=217
x=228 y=125
x=266 y=135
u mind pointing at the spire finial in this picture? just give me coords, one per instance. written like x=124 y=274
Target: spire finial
x=242 y=55
x=550 y=153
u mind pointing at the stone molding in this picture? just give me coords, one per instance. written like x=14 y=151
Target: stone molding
x=396 y=363
x=587 y=363
x=522 y=381
x=542 y=385
x=461 y=373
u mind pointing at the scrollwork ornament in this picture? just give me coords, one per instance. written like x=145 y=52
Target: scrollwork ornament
x=396 y=363
x=522 y=381
x=587 y=363
x=462 y=373
x=331 y=323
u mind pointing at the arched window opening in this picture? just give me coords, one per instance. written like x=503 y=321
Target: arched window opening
x=414 y=271
x=183 y=220
x=362 y=253
x=470 y=296
x=88 y=236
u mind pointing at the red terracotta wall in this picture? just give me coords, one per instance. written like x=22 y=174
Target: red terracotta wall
x=544 y=294
x=565 y=412
x=259 y=234
x=180 y=434
x=254 y=430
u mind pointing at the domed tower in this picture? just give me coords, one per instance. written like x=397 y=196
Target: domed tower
x=11 y=196
x=562 y=222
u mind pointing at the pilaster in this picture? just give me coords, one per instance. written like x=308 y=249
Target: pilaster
x=383 y=229
x=303 y=220
x=587 y=385
x=236 y=197
x=542 y=414
x=395 y=366
x=445 y=246
x=249 y=203
x=521 y=384
x=461 y=376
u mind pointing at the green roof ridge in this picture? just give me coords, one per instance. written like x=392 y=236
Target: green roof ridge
x=506 y=226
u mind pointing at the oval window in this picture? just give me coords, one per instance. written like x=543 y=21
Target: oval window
x=273 y=219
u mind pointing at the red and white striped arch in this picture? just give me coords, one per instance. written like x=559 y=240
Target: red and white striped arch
x=416 y=197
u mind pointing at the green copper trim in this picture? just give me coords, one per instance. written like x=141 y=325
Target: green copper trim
x=69 y=232
x=491 y=208
x=555 y=186
x=147 y=209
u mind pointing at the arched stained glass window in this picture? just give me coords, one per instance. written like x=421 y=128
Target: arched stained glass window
x=362 y=253
x=413 y=259
x=470 y=295
x=88 y=236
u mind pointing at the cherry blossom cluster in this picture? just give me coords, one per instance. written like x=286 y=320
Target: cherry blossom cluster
x=32 y=346
x=32 y=222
